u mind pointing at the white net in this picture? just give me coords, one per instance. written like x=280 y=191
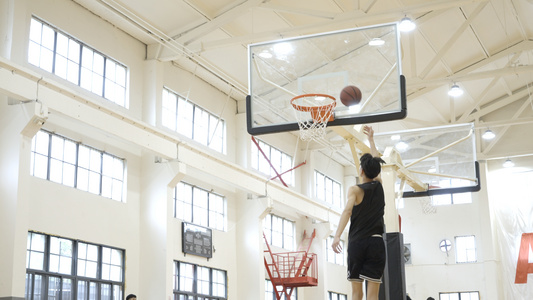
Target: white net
x=427 y=205
x=313 y=112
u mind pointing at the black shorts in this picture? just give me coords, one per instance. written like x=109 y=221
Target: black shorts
x=366 y=259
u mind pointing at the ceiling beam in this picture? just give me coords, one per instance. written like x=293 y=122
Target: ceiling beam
x=448 y=45
x=488 y=87
x=299 y=10
x=393 y=14
x=217 y=22
x=502 y=132
x=498 y=104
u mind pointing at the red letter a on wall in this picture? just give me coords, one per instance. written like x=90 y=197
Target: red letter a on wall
x=524 y=267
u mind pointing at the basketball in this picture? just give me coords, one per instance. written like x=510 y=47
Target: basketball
x=350 y=95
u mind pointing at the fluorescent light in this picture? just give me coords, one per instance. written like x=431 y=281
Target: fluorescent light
x=402 y=146
x=508 y=163
x=395 y=137
x=406 y=25
x=433 y=169
x=488 y=135
x=376 y=42
x=455 y=91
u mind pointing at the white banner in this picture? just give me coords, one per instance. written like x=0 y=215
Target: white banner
x=511 y=196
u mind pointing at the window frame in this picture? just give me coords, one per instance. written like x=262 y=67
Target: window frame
x=259 y=163
x=337 y=256
x=194 y=278
x=212 y=215
x=78 y=166
x=339 y=296
x=467 y=251
x=268 y=230
x=331 y=199
x=189 y=123
x=109 y=87
x=458 y=294
x=271 y=295
x=45 y=274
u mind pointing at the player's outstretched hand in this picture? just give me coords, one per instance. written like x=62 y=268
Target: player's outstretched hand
x=368 y=131
x=336 y=245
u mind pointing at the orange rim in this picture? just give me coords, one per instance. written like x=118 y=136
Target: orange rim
x=317 y=111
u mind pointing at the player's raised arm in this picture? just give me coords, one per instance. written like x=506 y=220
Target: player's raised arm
x=370 y=134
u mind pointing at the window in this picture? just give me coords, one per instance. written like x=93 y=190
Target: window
x=336 y=258
x=62 y=268
x=465 y=249
x=199 y=206
x=193 y=282
x=192 y=121
x=447 y=199
x=459 y=296
x=73 y=164
x=68 y=58
x=327 y=189
x=279 y=232
x=281 y=162
x=270 y=295
x=336 y=296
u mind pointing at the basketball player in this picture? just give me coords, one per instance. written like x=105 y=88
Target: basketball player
x=364 y=209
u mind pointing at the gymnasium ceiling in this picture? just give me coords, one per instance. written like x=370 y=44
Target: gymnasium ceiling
x=485 y=46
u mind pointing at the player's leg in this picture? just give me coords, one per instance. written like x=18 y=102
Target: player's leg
x=357 y=290
x=372 y=290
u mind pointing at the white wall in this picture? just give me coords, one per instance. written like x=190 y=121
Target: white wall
x=433 y=271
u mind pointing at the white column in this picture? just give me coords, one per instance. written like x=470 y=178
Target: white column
x=14 y=175
x=388 y=176
x=6 y=27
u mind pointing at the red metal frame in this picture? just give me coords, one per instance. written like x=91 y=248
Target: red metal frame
x=278 y=175
x=288 y=270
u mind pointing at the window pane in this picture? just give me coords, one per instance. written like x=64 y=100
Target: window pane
x=203 y=280
x=186 y=277
x=105 y=291
x=74 y=52
x=121 y=76
x=82 y=290
x=201 y=125
x=48 y=37
x=185 y=117
x=54 y=288
x=61 y=66
x=60 y=255
x=35 y=31
x=28 y=291
x=34 y=54
x=47 y=60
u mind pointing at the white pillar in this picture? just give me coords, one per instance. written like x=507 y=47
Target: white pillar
x=14 y=175
x=6 y=27
x=388 y=176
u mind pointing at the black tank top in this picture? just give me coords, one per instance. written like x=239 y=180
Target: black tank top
x=367 y=217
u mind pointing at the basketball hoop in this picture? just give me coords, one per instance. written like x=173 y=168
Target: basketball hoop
x=321 y=108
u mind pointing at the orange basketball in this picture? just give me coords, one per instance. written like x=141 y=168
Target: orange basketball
x=350 y=95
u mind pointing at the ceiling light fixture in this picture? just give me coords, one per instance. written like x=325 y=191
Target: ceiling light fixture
x=376 y=42
x=488 y=135
x=455 y=91
x=402 y=146
x=508 y=163
x=406 y=25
